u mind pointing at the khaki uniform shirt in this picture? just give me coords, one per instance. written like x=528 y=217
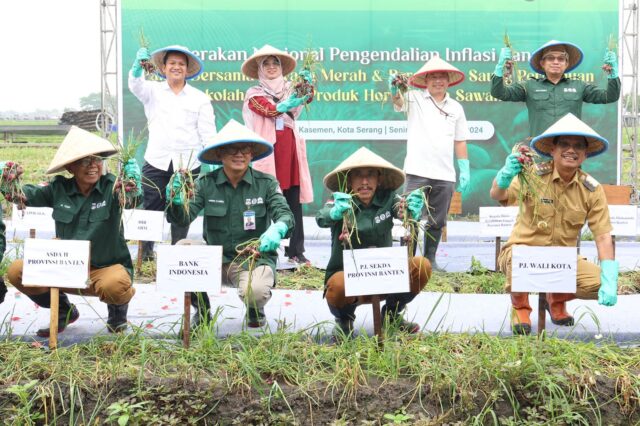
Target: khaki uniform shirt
x=224 y=207
x=562 y=212
x=96 y=218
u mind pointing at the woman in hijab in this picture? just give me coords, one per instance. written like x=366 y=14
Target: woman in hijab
x=270 y=109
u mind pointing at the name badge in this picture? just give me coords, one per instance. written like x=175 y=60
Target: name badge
x=279 y=123
x=249 y=218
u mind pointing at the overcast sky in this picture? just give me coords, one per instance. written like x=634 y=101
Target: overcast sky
x=50 y=53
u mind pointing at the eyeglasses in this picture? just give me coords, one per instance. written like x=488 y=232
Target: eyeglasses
x=576 y=146
x=86 y=161
x=233 y=150
x=553 y=58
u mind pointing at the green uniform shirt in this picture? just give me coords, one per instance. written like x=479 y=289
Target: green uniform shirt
x=224 y=207
x=548 y=102
x=374 y=224
x=96 y=218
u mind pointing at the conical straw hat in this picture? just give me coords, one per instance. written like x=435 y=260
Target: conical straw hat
x=436 y=64
x=250 y=66
x=234 y=132
x=194 y=66
x=570 y=125
x=393 y=177
x=79 y=144
x=575 y=55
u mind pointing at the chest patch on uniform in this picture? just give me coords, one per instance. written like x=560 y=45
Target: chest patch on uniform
x=383 y=216
x=216 y=201
x=546 y=200
x=98 y=205
x=253 y=201
x=590 y=183
x=544 y=168
x=570 y=89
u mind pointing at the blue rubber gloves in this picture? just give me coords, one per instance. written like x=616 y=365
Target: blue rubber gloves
x=611 y=59
x=415 y=203
x=291 y=102
x=465 y=175
x=132 y=171
x=175 y=185
x=341 y=203
x=510 y=170
x=306 y=75
x=207 y=168
x=136 y=68
x=505 y=55
x=392 y=88
x=270 y=239
x=608 y=293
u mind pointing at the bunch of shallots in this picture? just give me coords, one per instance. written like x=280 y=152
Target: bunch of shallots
x=10 y=185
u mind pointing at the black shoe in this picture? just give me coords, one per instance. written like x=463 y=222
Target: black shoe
x=3 y=290
x=200 y=318
x=64 y=318
x=300 y=260
x=117 y=321
x=343 y=328
x=396 y=321
x=256 y=317
x=521 y=329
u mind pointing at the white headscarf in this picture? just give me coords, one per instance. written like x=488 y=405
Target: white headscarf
x=278 y=86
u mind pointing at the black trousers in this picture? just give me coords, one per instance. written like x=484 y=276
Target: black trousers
x=296 y=242
x=154 y=184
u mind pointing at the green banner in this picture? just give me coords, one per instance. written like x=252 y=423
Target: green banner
x=360 y=43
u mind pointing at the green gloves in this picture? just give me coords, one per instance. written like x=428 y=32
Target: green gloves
x=177 y=194
x=306 y=75
x=392 y=88
x=465 y=175
x=608 y=293
x=510 y=170
x=132 y=171
x=270 y=240
x=415 y=203
x=341 y=203
x=207 y=168
x=136 y=68
x=611 y=60
x=505 y=55
x=292 y=102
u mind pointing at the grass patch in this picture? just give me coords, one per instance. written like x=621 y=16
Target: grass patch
x=288 y=378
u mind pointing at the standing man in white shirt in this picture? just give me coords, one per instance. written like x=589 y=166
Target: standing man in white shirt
x=180 y=122
x=437 y=129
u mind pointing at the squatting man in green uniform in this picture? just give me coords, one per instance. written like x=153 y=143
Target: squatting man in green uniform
x=373 y=182
x=553 y=95
x=85 y=208
x=239 y=205
x=566 y=197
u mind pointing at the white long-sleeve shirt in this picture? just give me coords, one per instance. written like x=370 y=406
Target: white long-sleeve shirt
x=431 y=133
x=180 y=125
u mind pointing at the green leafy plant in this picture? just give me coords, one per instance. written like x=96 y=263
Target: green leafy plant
x=124 y=413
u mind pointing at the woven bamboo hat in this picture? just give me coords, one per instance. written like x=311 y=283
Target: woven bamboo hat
x=250 y=66
x=234 y=132
x=436 y=64
x=79 y=144
x=574 y=52
x=393 y=177
x=570 y=125
x=194 y=65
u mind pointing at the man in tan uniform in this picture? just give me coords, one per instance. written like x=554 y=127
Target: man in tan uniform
x=566 y=197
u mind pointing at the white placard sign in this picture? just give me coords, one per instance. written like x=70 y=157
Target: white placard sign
x=624 y=220
x=544 y=269
x=497 y=221
x=144 y=225
x=56 y=263
x=38 y=218
x=376 y=271
x=189 y=268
